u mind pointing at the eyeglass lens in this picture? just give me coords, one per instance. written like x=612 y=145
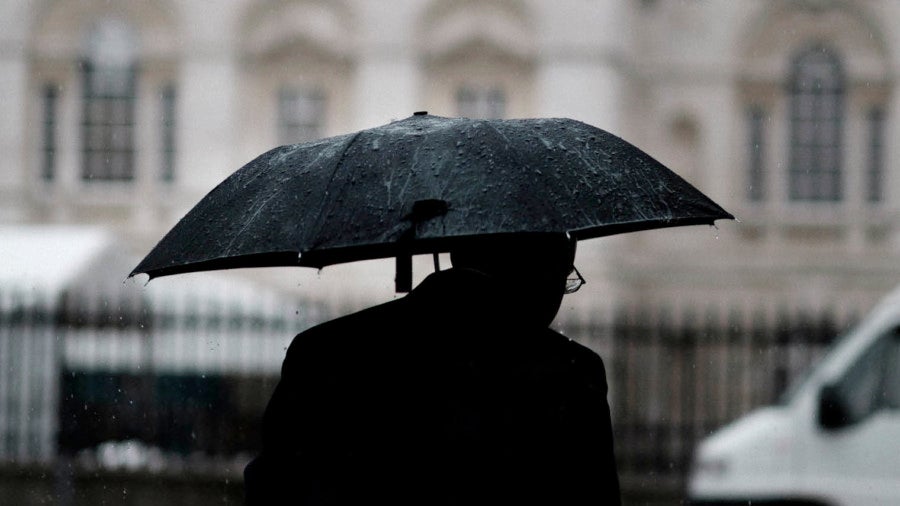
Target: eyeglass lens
x=574 y=281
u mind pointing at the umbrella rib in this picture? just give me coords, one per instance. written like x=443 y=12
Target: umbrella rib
x=334 y=172
x=513 y=152
x=494 y=128
x=249 y=221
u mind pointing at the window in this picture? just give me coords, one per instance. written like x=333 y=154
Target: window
x=301 y=114
x=756 y=153
x=817 y=101
x=483 y=103
x=873 y=383
x=167 y=120
x=876 y=155
x=891 y=388
x=108 y=78
x=891 y=385
x=50 y=98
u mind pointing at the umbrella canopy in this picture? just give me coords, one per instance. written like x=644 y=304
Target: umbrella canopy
x=421 y=184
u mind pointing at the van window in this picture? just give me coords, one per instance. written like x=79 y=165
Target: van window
x=892 y=374
x=873 y=382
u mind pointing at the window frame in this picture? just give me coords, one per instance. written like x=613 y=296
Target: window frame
x=109 y=96
x=876 y=125
x=757 y=153
x=50 y=102
x=817 y=93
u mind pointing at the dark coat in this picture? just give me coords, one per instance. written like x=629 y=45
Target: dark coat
x=439 y=397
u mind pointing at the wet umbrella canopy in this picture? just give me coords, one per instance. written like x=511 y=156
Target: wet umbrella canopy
x=418 y=185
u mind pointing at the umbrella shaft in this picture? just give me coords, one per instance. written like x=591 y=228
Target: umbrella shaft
x=403 y=278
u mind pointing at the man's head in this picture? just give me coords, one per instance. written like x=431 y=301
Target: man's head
x=534 y=268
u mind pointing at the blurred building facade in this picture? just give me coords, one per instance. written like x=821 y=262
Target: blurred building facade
x=123 y=114
x=116 y=117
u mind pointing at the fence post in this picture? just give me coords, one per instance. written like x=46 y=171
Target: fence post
x=689 y=340
x=779 y=357
x=6 y=358
x=619 y=360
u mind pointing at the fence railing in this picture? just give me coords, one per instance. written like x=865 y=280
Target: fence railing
x=676 y=377
x=148 y=384
x=179 y=377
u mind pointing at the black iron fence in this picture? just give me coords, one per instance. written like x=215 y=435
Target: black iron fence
x=675 y=377
x=79 y=375
x=176 y=390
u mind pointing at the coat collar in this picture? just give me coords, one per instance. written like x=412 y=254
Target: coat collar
x=467 y=291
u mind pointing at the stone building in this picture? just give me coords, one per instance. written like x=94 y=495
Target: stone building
x=116 y=117
x=124 y=114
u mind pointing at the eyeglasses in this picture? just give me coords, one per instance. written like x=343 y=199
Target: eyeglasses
x=574 y=281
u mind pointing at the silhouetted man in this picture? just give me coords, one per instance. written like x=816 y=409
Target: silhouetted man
x=458 y=393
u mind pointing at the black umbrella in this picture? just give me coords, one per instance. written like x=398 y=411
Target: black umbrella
x=421 y=184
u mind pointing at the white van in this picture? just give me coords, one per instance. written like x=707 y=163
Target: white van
x=834 y=441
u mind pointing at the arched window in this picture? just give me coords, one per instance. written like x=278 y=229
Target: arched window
x=817 y=92
x=298 y=60
x=479 y=58
x=109 y=71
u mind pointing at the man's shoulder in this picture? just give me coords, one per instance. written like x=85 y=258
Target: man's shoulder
x=342 y=331
x=573 y=352
x=569 y=345
x=386 y=312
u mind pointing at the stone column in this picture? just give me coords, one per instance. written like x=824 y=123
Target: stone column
x=13 y=86
x=580 y=65
x=387 y=83
x=579 y=74
x=206 y=118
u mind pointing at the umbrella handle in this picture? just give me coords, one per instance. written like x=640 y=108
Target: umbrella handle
x=422 y=210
